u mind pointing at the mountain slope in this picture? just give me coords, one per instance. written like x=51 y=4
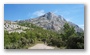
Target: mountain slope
x=52 y=21
x=11 y=26
x=23 y=34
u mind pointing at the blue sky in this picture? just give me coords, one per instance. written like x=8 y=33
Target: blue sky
x=71 y=12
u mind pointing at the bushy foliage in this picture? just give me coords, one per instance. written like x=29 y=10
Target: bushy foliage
x=72 y=39
x=69 y=38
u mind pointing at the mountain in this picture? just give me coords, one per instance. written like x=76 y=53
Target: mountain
x=52 y=21
x=25 y=33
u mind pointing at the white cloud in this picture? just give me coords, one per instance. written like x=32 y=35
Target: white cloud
x=56 y=11
x=67 y=19
x=39 y=13
x=82 y=26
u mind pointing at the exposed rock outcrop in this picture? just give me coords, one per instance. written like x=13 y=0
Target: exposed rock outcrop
x=52 y=21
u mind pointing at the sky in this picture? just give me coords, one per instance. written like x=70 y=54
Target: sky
x=71 y=12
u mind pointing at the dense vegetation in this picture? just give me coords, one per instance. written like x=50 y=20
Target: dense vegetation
x=68 y=39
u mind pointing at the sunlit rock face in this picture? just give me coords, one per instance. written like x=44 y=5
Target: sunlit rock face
x=11 y=26
x=52 y=21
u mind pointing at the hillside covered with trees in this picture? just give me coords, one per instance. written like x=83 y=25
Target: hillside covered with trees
x=68 y=39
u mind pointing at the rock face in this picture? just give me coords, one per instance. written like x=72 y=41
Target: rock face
x=13 y=27
x=77 y=28
x=52 y=21
x=49 y=21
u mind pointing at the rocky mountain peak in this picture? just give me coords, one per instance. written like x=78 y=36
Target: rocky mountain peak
x=52 y=21
x=50 y=13
x=49 y=16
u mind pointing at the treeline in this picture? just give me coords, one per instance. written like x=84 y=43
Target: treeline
x=68 y=39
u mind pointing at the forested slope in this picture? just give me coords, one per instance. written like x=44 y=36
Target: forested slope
x=68 y=39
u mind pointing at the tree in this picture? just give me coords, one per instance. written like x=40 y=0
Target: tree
x=67 y=31
x=72 y=39
x=75 y=42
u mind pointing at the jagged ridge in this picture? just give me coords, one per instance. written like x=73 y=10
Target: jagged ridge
x=52 y=21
